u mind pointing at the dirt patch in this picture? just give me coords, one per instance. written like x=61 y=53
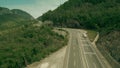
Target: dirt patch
x=55 y=60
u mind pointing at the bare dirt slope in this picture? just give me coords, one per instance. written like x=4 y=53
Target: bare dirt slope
x=53 y=61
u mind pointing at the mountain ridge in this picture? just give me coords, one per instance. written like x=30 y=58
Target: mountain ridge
x=13 y=18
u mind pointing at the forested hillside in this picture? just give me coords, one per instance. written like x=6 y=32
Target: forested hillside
x=13 y=18
x=92 y=14
x=28 y=44
x=23 y=14
x=100 y=15
x=24 y=40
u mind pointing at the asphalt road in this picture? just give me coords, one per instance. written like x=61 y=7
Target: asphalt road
x=80 y=53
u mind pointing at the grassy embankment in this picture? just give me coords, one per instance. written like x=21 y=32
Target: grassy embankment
x=91 y=34
x=19 y=48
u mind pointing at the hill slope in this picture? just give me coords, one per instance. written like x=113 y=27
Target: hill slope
x=25 y=45
x=99 y=15
x=22 y=14
x=29 y=43
x=13 y=18
x=86 y=14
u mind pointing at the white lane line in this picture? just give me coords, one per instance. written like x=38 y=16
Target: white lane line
x=69 y=50
x=79 y=49
x=86 y=62
x=84 y=54
x=97 y=56
x=89 y=43
x=100 y=61
x=94 y=64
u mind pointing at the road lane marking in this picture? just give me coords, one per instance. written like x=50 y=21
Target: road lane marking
x=82 y=55
x=97 y=56
x=69 y=50
x=89 y=43
x=82 y=48
x=86 y=62
x=100 y=61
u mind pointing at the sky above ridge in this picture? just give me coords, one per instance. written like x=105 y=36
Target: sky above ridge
x=35 y=7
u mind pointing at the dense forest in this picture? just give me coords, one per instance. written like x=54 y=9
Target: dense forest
x=100 y=15
x=91 y=14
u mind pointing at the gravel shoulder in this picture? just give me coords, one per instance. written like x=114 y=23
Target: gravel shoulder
x=52 y=61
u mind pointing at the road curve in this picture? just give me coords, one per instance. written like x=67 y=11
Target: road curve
x=80 y=53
